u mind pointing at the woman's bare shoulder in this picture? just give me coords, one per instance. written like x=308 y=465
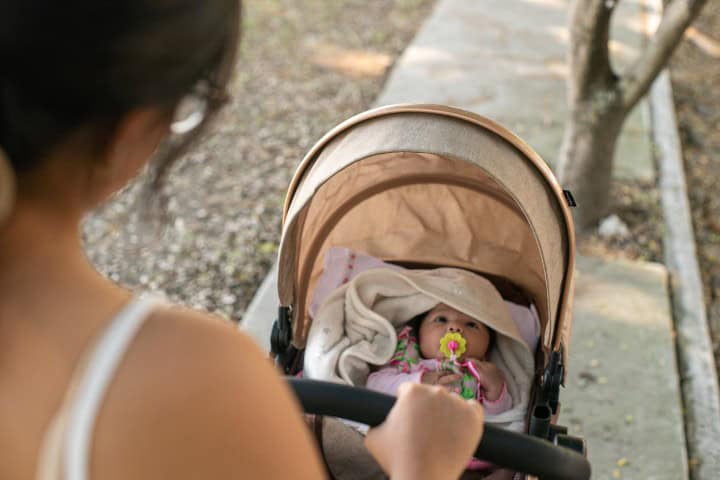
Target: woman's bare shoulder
x=185 y=348
x=175 y=330
x=197 y=398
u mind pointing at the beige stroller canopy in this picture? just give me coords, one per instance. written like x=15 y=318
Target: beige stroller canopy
x=428 y=185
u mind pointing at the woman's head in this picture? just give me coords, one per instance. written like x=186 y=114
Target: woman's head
x=100 y=81
x=443 y=319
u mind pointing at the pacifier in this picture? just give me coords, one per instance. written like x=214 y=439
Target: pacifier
x=453 y=345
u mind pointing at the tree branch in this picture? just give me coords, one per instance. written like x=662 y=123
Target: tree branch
x=678 y=15
x=589 y=56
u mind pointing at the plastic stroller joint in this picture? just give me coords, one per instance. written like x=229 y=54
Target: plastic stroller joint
x=281 y=331
x=577 y=444
x=552 y=380
x=540 y=422
x=280 y=338
x=555 y=430
x=569 y=198
x=548 y=399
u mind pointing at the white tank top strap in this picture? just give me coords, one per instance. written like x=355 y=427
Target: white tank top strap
x=65 y=453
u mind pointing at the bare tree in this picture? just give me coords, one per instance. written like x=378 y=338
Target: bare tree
x=600 y=99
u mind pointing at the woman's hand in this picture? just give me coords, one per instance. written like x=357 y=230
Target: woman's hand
x=440 y=378
x=492 y=379
x=429 y=434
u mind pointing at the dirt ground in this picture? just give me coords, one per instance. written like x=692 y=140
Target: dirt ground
x=305 y=66
x=695 y=70
x=638 y=205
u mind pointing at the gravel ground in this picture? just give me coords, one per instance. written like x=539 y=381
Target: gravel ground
x=695 y=73
x=304 y=67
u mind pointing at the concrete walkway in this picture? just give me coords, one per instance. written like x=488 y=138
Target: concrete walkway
x=506 y=60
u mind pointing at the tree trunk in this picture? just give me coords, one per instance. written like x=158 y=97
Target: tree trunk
x=600 y=99
x=585 y=164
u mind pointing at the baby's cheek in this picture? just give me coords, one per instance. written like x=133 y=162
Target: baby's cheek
x=477 y=345
x=428 y=347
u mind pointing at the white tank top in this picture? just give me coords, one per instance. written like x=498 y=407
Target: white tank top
x=65 y=452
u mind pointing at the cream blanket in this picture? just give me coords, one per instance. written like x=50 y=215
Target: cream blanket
x=356 y=327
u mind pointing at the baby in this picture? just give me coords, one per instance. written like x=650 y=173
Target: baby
x=464 y=323
x=423 y=356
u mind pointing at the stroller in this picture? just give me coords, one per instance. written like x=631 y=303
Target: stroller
x=425 y=186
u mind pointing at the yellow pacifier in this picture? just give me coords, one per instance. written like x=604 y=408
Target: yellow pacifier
x=452 y=345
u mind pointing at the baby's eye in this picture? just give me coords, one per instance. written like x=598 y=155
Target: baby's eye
x=440 y=319
x=472 y=325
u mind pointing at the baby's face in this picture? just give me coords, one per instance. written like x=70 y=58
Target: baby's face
x=443 y=319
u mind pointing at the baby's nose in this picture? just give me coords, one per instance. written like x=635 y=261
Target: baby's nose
x=455 y=329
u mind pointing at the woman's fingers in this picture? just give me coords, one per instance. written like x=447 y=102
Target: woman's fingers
x=430 y=433
x=449 y=378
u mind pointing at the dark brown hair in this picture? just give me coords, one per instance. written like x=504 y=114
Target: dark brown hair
x=86 y=63
x=414 y=324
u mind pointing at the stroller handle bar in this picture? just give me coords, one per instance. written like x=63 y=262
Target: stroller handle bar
x=504 y=448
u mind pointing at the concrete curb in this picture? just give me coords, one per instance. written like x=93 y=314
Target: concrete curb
x=699 y=383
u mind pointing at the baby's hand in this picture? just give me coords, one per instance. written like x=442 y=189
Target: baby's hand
x=440 y=378
x=492 y=379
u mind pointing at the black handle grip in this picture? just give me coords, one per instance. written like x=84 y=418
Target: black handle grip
x=515 y=451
